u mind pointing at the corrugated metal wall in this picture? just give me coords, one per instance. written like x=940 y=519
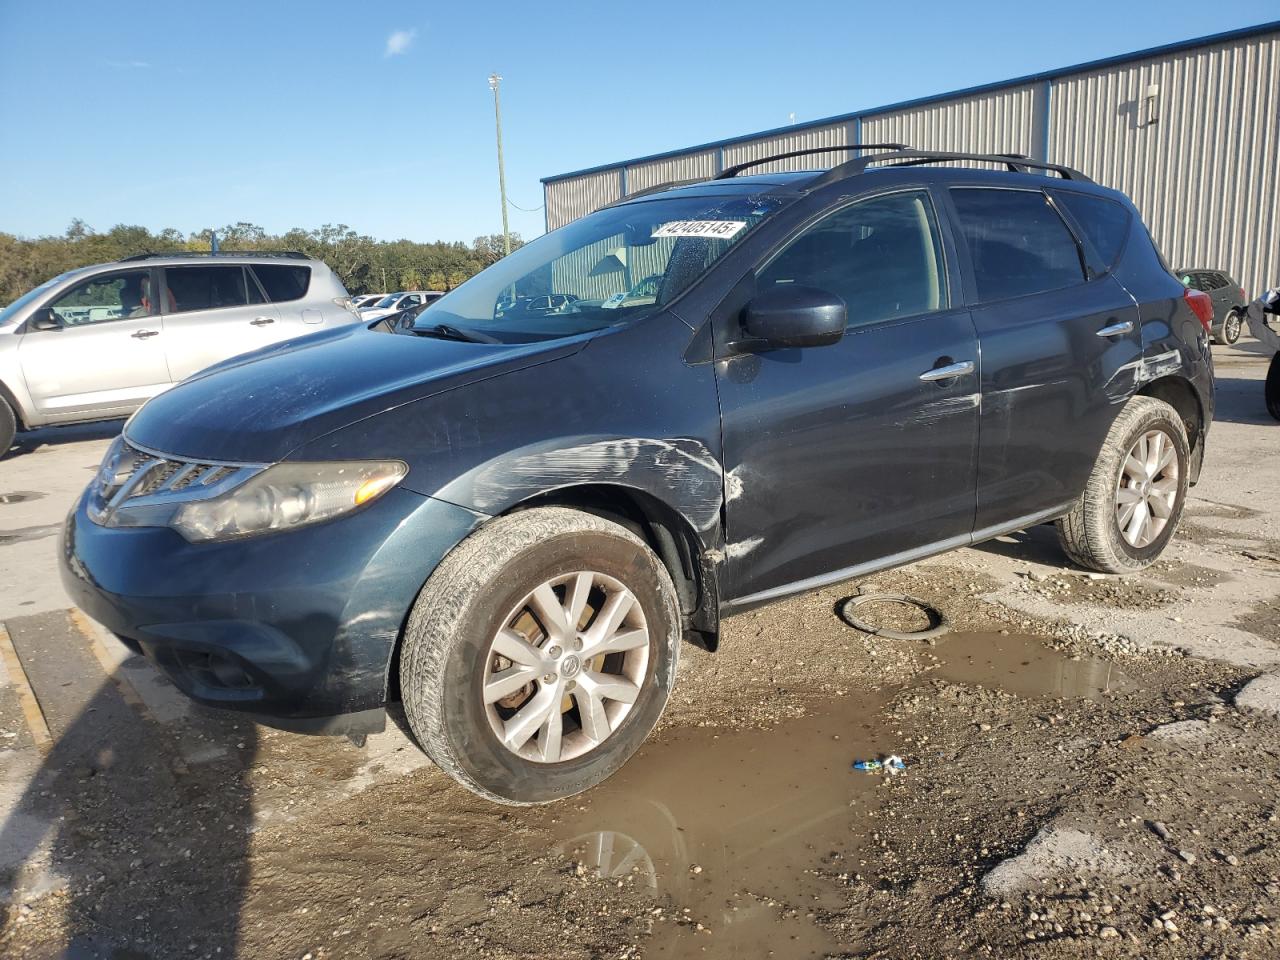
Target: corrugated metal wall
x=1205 y=172
x=1001 y=121
x=570 y=199
x=688 y=166
x=801 y=138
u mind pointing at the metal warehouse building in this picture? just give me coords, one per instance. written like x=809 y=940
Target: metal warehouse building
x=1190 y=131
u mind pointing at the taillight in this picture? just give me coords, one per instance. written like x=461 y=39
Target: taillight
x=1244 y=296
x=1201 y=305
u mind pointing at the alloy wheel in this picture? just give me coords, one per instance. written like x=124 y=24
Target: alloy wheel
x=1147 y=489
x=1231 y=328
x=566 y=667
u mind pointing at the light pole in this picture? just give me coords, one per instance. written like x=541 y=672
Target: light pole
x=494 y=82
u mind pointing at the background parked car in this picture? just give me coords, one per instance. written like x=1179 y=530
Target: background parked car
x=395 y=302
x=97 y=342
x=1229 y=300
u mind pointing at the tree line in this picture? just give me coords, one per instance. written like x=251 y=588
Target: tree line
x=364 y=265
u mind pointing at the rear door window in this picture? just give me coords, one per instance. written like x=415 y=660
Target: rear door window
x=283 y=282
x=1105 y=223
x=1017 y=243
x=204 y=288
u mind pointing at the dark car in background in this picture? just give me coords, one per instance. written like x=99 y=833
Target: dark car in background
x=1229 y=300
x=511 y=519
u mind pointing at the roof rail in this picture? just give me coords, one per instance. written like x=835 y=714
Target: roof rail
x=1016 y=163
x=199 y=254
x=729 y=172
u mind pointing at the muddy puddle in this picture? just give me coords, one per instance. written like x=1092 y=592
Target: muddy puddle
x=723 y=828
x=1024 y=666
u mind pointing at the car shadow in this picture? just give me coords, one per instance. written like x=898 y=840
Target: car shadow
x=1240 y=400
x=1037 y=544
x=151 y=853
x=33 y=441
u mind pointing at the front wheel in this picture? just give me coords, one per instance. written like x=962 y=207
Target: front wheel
x=1135 y=496
x=1231 y=327
x=8 y=426
x=540 y=654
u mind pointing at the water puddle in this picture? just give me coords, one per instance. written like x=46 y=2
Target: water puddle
x=20 y=496
x=1024 y=666
x=729 y=825
x=28 y=533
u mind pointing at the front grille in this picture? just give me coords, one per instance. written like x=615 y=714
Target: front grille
x=130 y=475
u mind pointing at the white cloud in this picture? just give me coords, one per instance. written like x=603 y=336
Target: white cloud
x=400 y=41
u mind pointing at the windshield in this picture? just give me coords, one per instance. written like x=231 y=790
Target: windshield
x=13 y=309
x=605 y=269
x=386 y=301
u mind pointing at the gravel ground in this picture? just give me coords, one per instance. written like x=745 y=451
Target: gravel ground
x=1091 y=762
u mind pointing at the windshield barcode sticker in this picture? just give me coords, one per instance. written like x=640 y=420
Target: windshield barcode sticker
x=724 y=229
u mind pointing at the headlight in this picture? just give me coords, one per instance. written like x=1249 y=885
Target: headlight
x=286 y=496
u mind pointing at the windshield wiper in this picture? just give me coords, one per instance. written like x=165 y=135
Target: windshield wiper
x=445 y=332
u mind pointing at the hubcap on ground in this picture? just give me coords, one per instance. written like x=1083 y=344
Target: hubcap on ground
x=566 y=667
x=1147 y=489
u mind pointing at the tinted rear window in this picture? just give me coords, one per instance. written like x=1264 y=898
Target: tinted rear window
x=204 y=288
x=1105 y=223
x=283 y=282
x=1018 y=243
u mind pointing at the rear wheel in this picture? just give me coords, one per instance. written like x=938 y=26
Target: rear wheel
x=8 y=426
x=1231 y=327
x=1135 y=496
x=540 y=654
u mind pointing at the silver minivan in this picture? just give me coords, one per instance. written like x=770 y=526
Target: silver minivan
x=97 y=342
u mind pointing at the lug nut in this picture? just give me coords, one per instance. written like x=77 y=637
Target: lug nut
x=554 y=652
x=549 y=678
x=577 y=643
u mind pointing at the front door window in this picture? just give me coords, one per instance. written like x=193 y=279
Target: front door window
x=113 y=296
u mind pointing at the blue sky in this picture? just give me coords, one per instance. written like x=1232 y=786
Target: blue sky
x=378 y=114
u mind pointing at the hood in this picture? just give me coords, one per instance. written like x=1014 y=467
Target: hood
x=259 y=407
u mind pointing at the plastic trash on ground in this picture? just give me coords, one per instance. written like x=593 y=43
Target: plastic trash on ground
x=891 y=765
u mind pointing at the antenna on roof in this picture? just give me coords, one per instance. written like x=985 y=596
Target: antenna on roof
x=213 y=241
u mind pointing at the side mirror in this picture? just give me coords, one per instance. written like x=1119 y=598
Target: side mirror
x=793 y=316
x=45 y=320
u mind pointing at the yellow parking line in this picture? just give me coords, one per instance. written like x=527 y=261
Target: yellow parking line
x=109 y=666
x=26 y=696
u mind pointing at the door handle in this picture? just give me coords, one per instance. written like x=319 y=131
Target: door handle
x=949 y=371
x=143 y=334
x=262 y=321
x=1116 y=329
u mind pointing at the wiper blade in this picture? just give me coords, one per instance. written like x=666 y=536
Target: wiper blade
x=446 y=332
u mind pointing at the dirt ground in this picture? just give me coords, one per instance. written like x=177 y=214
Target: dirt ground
x=1092 y=768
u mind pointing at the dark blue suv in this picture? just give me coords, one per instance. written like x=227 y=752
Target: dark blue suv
x=756 y=385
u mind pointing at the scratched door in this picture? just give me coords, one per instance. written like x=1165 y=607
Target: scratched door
x=847 y=454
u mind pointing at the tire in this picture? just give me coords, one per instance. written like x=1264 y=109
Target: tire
x=8 y=426
x=1272 y=390
x=1231 y=325
x=484 y=586
x=1091 y=534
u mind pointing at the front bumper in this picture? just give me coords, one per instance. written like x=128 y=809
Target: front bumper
x=294 y=627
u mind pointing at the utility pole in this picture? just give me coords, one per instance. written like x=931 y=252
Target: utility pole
x=494 y=82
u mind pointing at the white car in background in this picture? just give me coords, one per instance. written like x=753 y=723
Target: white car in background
x=97 y=342
x=366 y=299
x=395 y=302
